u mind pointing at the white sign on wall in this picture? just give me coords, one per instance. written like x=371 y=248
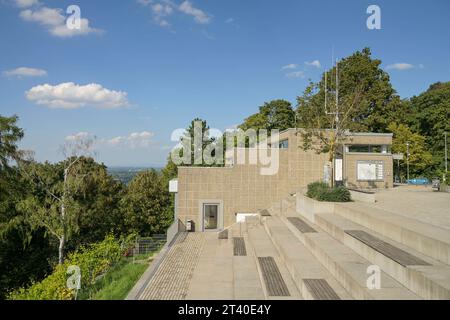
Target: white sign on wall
x=173 y=185
x=370 y=170
x=338 y=170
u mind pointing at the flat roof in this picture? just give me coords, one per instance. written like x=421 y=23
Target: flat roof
x=350 y=133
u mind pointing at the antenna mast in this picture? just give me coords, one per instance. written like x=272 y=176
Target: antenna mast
x=337 y=94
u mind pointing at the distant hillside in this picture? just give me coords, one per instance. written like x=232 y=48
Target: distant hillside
x=126 y=174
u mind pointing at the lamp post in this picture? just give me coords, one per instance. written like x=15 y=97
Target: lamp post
x=407 y=161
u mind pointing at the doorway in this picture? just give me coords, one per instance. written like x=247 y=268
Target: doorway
x=210 y=216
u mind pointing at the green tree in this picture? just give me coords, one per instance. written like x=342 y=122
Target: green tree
x=24 y=253
x=98 y=198
x=362 y=84
x=146 y=204
x=430 y=116
x=276 y=114
x=355 y=95
x=10 y=135
x=419 y=157
x=202 y=145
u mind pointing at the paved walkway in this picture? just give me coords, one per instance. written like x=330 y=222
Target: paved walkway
x=171 y=280
x=417 y=202
x=221 y=275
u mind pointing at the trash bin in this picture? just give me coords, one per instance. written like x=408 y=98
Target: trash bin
x=189 y=225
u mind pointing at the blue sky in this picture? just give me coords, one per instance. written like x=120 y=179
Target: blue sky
x=137 y=70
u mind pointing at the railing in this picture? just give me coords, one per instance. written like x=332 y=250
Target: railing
x=149 y=244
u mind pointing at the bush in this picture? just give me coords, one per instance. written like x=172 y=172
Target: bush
x=322 y=192
x=93 y=261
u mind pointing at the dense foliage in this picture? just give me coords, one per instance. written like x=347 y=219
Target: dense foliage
x=95 y=204
x=429 y=116
x=146 y=204
x=276 y=114
x=323 y=192
x=93 y=261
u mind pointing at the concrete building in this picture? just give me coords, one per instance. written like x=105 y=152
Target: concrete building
x=213 y=198
x=267 y=240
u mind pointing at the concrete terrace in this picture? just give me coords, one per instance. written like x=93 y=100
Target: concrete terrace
x=296 y=253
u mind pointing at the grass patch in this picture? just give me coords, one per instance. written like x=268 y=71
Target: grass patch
x=118 y=281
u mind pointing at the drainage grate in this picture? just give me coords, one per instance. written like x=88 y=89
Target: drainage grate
x=239 y=246
x=320 y=289
x=402 y=257
x=273 y=280
x=301 y=225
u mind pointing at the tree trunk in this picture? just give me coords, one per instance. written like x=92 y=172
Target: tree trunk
x=62 y=242
x=330 y=159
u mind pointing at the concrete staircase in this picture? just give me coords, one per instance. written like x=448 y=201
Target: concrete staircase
x=341 y=247
x=312 y=251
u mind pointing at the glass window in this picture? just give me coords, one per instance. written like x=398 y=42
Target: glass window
x=358 y=148
x=375 y=149
x=365 y=148
x=284 y=144
x=210 y=216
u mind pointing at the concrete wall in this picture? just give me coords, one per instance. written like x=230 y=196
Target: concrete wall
x=350 y=170
x=370 y=138
x=242 y=189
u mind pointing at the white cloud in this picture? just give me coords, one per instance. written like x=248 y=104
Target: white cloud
x=134 y=140
x=315 y=63
x=45 y=16
x=289 y=66
x=160 y=12
x=199 y=15
x=229 y=20
x=55 y=22
x=78 y=136
x=296 y=74
x=25 y=72
x=162 y=9
x=69 y=95
x=26 y=3
x=400 y=66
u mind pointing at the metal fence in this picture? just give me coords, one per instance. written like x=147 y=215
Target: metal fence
x=149 y=244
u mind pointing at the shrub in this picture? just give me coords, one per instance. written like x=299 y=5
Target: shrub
x=322 y=192
x=93 y=261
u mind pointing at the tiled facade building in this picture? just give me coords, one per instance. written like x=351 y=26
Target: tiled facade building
x=210 y=198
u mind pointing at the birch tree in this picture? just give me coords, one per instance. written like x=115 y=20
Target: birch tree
x=52 y=204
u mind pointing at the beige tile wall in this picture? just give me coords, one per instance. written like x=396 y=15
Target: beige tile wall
x=350 y=171
x=244 y=190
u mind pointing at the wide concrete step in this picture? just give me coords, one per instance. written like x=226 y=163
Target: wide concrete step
x=351 y=270
x=247 y=282
x=260 y=246
x=212 y=277
x=312 y=279
x=425 y=238
x=427 y=277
